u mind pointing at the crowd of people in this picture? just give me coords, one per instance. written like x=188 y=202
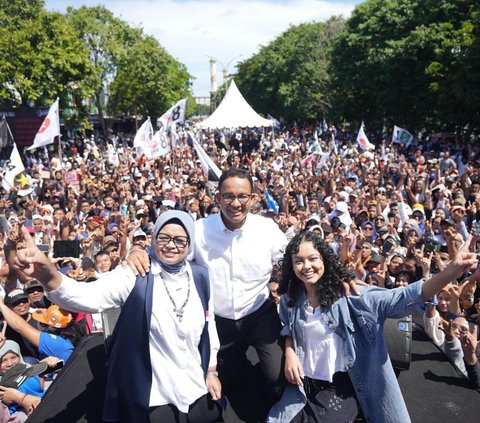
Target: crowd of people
x=291 y=222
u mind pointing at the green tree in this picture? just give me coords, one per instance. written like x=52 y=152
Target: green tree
x=409 y=62
x=41 y=59
x=290 y=77
x=107 y=40
x=149 y=81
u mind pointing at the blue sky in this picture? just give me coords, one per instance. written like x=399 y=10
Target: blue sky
x=228 y=30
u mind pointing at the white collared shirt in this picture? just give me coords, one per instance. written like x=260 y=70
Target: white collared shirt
x=239 y=262
x=177 y=375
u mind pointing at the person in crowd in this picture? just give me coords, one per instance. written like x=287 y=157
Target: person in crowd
x=24 y=400
x=103 y=262
x=17 y=301
x=162 y=358
x=36 y=294
x=58 y=335
x=334 y=346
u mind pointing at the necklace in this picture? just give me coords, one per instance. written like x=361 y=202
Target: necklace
x=178 y=311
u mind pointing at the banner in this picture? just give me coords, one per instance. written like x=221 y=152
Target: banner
x=176 y=114
x=50 y=128
x=159 y=146
x=144 y=135
x=363 y=141
x=401 y=136
x=15 y=176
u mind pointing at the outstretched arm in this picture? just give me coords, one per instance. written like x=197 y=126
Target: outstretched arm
x=463 y=261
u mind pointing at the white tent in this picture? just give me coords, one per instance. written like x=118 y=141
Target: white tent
x=234 y=112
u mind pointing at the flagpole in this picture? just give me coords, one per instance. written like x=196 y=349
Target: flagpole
x=9 y=130
x=60 y=150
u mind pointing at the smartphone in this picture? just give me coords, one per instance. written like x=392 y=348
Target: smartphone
x=4 y=226
x=387 y=246
x=58 y=366
x=476 y=228
x=123 y=209
x=429 y=248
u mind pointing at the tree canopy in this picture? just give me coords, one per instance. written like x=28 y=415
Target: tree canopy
x=290 y=77
x=85 y=57
x=414 y=62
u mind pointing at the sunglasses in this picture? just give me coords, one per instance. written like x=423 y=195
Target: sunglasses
x=18 y=302
x=34 y=289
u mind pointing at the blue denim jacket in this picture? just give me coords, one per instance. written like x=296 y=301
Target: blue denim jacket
x=359 y=321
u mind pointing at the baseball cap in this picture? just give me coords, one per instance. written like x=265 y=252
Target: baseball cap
x=375 y=258
x=314 y=217
x=418 y=207
x=14 y=296
x=53 y=316
x=449 y=222
x=139 y=233
x=109 y=240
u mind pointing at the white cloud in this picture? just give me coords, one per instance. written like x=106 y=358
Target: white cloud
x=191 y=30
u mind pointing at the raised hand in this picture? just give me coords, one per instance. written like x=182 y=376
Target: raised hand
x=32 y=262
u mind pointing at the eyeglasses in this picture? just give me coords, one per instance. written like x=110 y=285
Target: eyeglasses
x=367 y=228
x=230 y=198
x=179 y=241
x=461 y=328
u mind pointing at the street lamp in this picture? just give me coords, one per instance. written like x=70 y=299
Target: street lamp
x=225 y=68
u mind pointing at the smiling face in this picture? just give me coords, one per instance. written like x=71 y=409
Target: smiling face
x=444 y=299
x=308 y=264
x=9 y=360
x=20 y=307
x=235 y=201
x=171 y=245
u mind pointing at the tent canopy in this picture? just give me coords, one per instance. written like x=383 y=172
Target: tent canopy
x=234 y=112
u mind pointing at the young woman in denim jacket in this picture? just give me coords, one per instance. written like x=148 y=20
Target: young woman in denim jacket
x=336 y=360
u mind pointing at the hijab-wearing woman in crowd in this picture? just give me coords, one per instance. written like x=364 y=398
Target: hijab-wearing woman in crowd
x=162 y=354
x=336 y=359
x=21 y=401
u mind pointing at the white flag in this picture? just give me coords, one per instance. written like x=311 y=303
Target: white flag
x=401 y=136
x=15 y=174
x=144 y=134
x=175 y=114
x=50 y=128
x=363 y=141
x=208 y=166
x=159 y=145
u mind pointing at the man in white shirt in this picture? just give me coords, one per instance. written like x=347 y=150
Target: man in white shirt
x=240 y=249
